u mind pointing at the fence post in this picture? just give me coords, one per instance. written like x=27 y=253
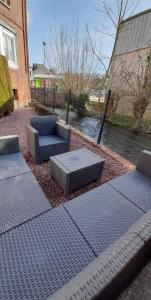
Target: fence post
x=38 y=94
x=104 y=116
x=44 y=94
x=35 y=96
x=68 y=106
x=54 y=99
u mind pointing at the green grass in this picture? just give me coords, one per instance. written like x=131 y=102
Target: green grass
x=123 y=121
x=128 y=122
x=95 y=108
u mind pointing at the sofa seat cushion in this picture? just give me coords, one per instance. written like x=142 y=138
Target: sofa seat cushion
x=136 y=186
x=21 y=199
x=51 y=145
x=12 y=165
x=40 y=256
x=102 y=215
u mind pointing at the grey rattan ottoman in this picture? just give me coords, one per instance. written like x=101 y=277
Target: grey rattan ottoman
x=75 y=169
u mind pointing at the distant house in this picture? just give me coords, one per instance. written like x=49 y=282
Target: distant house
x=134 y=40
x=41 y=76
x=13 y=45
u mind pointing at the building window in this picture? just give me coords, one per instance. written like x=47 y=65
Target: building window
x=8 y=46
x=5 y=2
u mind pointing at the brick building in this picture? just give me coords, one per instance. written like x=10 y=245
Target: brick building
x=133 y=42
x=13 y=44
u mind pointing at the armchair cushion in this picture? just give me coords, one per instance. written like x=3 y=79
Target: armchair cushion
x=50 y=140
x=51 y=145
x=45 y=125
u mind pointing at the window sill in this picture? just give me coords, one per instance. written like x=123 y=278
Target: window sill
x=12 y=66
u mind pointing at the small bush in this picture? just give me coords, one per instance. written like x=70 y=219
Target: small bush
x=95 y=108
x=6 y=93
x=79 y=104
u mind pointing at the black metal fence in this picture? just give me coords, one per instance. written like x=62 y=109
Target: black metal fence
x=67 y=101
x=114 y=110
x=99 y=120
x=48 y=97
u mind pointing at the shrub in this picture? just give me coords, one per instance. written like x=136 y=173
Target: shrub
x=79 y=104
x=6 y=93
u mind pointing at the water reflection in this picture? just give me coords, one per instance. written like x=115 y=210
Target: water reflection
x=120 y=140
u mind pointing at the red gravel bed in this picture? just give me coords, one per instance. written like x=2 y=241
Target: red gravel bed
x=16 y=123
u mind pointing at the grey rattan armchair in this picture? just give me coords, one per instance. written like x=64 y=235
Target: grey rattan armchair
x=47 y=137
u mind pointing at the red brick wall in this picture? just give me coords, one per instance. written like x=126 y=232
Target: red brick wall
x=15 y=17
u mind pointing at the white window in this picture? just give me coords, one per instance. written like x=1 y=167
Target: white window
x=8 y=46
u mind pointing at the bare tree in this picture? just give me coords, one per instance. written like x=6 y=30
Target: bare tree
x=70 y=54
x=115 y=12
x=117 y=85
x=139 y=83
x=131 y=83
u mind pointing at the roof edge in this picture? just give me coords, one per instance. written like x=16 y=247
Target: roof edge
x=137 y=15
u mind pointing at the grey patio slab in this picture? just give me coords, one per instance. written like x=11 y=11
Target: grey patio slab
x=102 y=215
x=41 y=255
x=12 y=165
x=136 y=186
x=75 y=169
x=21 y=199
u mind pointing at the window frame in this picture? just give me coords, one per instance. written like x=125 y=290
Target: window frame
x=5 y=2
x=11 y=64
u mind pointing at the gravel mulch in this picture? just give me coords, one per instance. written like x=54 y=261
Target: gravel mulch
x=16 y=123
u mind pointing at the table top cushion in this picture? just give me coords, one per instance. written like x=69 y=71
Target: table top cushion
x=77 y=159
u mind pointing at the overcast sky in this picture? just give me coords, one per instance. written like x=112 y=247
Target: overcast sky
x=42 y=13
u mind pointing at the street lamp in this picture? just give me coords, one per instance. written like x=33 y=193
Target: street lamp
x=44 y=44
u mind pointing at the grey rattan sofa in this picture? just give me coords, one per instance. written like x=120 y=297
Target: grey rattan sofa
x=47 y=137
x=83 y=249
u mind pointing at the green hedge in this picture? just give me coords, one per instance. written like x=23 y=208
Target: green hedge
x=6 y=93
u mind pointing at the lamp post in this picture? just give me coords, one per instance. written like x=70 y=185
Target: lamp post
x=44 y=44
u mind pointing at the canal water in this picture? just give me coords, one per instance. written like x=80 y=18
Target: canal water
x=121 y=140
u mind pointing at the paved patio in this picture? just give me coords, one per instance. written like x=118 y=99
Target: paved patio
x=16 y=123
